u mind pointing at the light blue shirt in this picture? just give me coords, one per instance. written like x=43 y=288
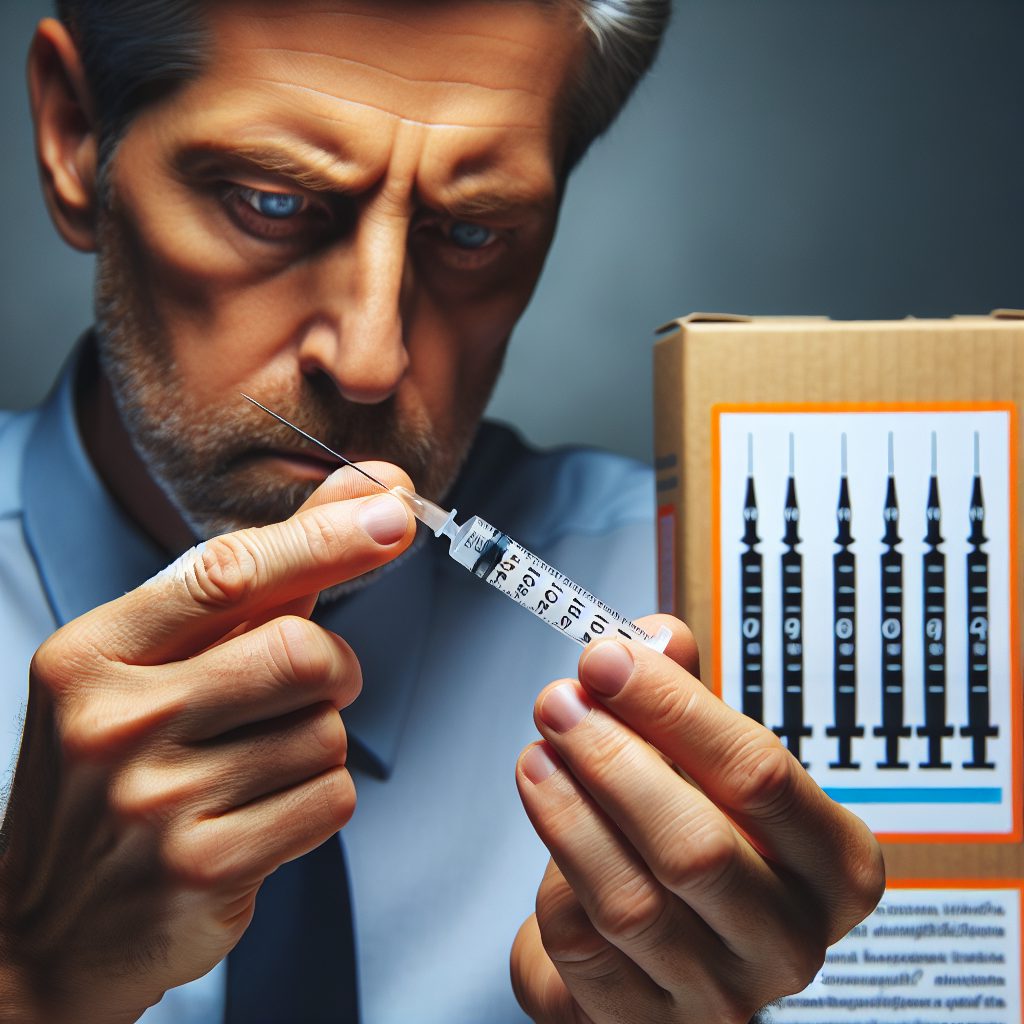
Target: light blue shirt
x=444 y=863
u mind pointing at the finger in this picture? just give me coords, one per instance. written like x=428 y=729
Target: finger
x=241 y=575
x=244 y=845
x=689 y=846
x=743 y=768
x=210 y=779
x=538 y=986
x=277 y=668
x=682 y=646
x=280 y=667
x=649 y=935
x=347 y=482
x=342 y=485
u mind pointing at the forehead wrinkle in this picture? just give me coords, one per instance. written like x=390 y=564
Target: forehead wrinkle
x=390 y=21
x=334 y=97
x=377 y=70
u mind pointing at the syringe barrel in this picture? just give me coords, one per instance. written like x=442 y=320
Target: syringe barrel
x=528 y=580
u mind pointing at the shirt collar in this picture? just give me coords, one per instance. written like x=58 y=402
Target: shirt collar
x=87 y=548
x=89 y=551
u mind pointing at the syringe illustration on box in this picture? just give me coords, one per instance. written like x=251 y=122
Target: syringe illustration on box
x=793 y=728
x=979 y=708
x=844 y=623
x=844 y=629
x=893 y=727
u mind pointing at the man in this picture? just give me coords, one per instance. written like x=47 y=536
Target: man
x=341 y=208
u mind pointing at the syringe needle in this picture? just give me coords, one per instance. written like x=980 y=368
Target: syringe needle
x=319 y=444
x=497 y=559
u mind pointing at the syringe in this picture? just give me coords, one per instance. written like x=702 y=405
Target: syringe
x=497 y=559
x=507 y=566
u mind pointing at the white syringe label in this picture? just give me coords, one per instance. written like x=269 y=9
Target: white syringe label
x=542 y=589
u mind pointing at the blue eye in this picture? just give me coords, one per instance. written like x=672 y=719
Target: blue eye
x=276 y=205
x=467 y=235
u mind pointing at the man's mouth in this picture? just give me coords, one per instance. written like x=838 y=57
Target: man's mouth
x=307 y=464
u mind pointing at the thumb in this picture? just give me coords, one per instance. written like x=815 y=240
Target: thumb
x=250 y=575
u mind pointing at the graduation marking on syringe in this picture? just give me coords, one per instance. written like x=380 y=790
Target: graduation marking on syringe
x=510 y=568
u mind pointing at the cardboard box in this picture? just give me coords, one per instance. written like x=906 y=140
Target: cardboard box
x=839 y=514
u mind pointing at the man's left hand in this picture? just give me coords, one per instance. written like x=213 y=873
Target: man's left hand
x=697 y=872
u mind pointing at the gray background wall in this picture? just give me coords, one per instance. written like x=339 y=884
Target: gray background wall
x=857 y=158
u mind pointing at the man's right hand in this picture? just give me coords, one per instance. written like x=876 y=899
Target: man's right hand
x=180 y=744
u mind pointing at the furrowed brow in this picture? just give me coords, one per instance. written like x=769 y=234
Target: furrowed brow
x=483 y=205
x=312 y=169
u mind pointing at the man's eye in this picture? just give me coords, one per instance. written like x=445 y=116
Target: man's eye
x=467 y=235
x=275 y=205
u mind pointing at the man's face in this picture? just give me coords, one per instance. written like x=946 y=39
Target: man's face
x=343 y=216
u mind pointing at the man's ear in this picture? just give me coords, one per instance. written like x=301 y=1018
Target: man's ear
x=67 y=145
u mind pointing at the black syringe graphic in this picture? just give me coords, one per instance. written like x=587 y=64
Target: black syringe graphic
x=844 y=641
x=935 y=727
x=979 y=723
x=892 y=727
x=793 y=727
x=751 y=602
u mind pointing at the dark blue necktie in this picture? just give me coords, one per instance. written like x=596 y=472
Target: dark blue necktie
x=296 y=962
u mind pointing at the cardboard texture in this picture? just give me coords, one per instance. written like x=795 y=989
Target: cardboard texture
x=844 y=427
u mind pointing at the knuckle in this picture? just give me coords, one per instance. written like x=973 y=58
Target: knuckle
x=297 y=651
x=735 y=1005
x=611 y=755
x=565 y=930
x=802 y=966
x=227 y=571
x=329 y=731
x=631 y=913
x=84 y=736
x=49 y=666
x=701 y=859
x=798 y=956
x=864 y=882
x=594 y=967
x=99 y=727
x=63 y=661
x=302 y=652
x=677 y=709
x=199 y=857
x=763 y=777
x=324 y=543
x=142 y=794
x=335 y=791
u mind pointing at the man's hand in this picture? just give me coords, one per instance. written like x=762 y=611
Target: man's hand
x=180 y=744
x=669 y=899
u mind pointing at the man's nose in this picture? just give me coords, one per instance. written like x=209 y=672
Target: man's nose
x=362 y=282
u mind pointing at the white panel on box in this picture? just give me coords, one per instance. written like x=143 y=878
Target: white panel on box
x=865 y=605
x=925 y=956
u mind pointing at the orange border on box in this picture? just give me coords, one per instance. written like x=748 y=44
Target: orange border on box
x=1016 y=833
x=668 y=512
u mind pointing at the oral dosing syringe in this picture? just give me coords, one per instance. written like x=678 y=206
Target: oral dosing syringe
x=507 y=566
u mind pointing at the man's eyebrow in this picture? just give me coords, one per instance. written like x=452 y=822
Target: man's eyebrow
x=485 y=203
x=313 y=172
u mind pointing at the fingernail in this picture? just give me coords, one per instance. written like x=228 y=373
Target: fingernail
x=562 y=708
x=384 y=518
x=607 y=668
x=537 y=764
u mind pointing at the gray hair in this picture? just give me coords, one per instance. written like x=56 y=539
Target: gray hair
x=624 y=40
x=135 y=51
